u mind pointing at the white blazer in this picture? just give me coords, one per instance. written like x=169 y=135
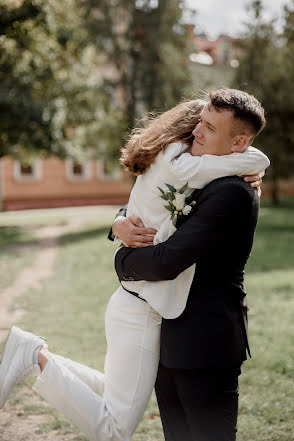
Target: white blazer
x=169 y=297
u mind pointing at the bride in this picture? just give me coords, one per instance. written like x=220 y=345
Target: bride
x=109 y=406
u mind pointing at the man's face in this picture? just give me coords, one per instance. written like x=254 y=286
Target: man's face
x=213 y=133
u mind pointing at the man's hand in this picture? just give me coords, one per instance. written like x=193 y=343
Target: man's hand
x=133 y=233
x=255 y=182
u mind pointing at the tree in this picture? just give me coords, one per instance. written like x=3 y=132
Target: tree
x=147 y=43
x=52 y=99
x=265 y=71
x=77 y=74
x=21 y=105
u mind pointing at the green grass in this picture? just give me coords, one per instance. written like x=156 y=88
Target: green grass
x=69 y=310
x=267 y=383
x=17 y=249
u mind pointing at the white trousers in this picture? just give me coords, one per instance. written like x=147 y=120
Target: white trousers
x=109 y=406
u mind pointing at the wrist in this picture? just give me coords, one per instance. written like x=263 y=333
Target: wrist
x=115 y=225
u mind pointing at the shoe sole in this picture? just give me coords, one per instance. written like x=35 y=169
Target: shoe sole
x=9 y=351
x=10 y=348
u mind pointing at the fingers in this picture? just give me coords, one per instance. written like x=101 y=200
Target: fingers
x=139 y=238
x=138 y=241
x=142 y=238
x=256 y=184
x=136 y=227
x=134 y=238
x=140 y=245
x=129 y=231
x=135 y=220
x=252 y=178
x=147 y=231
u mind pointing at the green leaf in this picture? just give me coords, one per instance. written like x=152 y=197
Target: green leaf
x=170 y=209
x=160 y=189
x=184 y=188
x=164 y=196
x=171 y=188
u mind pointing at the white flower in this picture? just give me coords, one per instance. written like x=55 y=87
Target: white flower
x=187 y=209
x=179 y=201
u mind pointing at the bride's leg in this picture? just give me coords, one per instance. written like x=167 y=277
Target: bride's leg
x=92 y=377
x=133 y=333
x=131 y=364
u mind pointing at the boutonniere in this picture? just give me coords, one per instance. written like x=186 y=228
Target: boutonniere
x=178 y=203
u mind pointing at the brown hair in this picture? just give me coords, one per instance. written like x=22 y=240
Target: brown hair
x=246 y=108
x=158 y=132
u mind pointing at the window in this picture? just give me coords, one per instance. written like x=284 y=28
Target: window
x=27 y=171
x=76 y=170
x=146 y=5
x=108 y=170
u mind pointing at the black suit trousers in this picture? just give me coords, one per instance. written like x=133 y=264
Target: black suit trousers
x=198 y=404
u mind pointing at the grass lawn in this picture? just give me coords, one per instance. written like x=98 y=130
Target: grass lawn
x=17 y=250
x=69 y=310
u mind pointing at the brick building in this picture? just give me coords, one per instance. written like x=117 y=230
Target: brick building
x=53 y=182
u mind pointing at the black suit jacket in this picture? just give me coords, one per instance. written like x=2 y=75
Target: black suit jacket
x=217 y=236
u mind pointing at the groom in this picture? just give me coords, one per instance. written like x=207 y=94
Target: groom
x=203 y=349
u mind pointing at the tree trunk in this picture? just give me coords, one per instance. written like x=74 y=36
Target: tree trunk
x=275 y=189
x=1 y=182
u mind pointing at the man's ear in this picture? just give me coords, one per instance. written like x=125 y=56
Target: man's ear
x=240 y=143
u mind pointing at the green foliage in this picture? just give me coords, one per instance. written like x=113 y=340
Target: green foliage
x=147 y=43
x=184 y=188
x=266 y=70
x=160 y=48
x=22 y=74
x=52 y=98
x=77 y=74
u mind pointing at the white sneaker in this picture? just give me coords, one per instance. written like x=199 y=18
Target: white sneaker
x=17 y=360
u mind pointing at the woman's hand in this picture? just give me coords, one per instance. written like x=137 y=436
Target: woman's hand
x=133 y=233
x=255 y=182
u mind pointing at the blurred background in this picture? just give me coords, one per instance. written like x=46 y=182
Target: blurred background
x=76 y=75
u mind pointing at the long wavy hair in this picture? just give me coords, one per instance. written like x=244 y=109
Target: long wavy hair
x=157 y=132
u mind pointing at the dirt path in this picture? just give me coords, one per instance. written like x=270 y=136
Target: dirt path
x=30 y=277
x=16 y=425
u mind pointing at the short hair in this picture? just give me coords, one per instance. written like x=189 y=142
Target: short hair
x=246 y=108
